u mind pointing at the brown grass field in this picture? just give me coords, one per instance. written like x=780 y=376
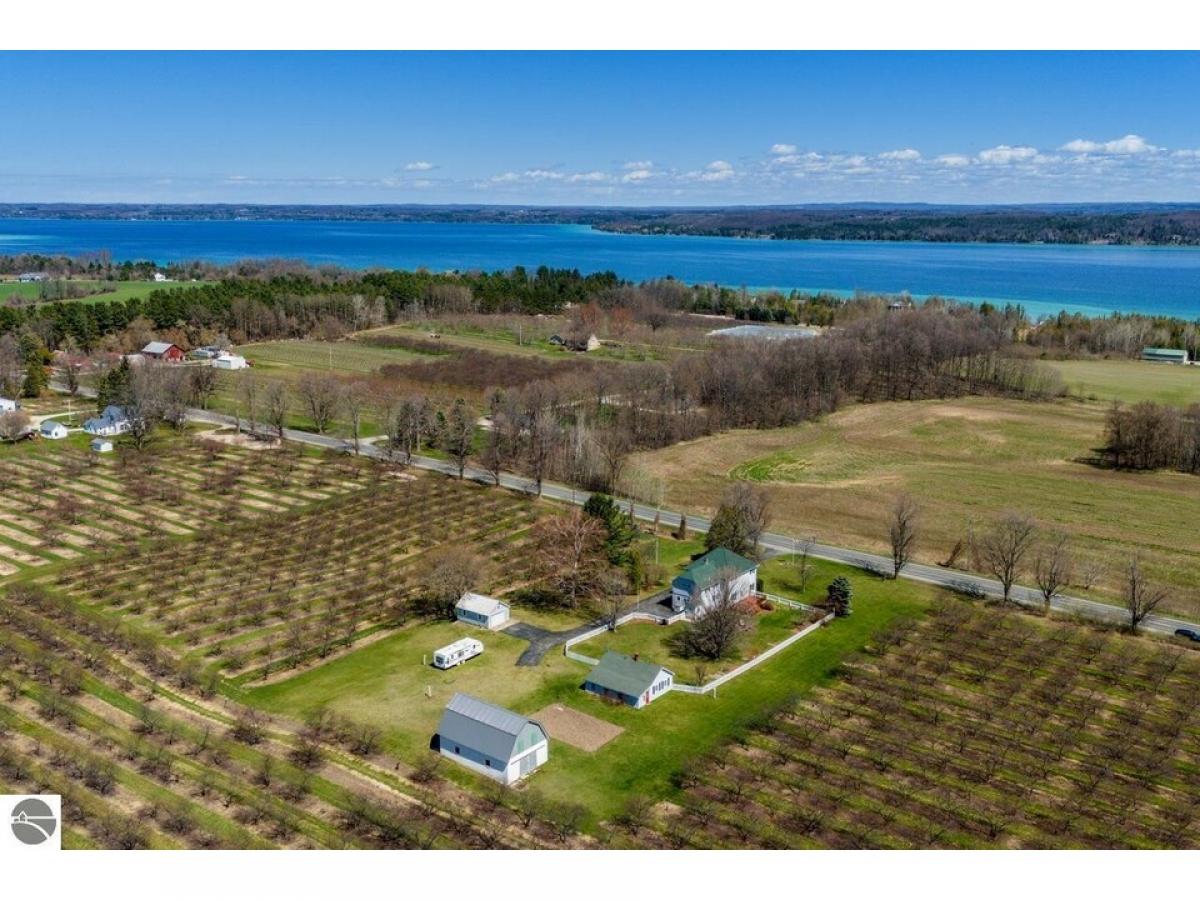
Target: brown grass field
x=965 y=461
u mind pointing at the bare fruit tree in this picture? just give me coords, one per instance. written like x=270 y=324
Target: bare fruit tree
x=13 y=425
x=1052 y=566
x=445 y=575
x=902 y=531
x=1141 y=598
x=1004 y=547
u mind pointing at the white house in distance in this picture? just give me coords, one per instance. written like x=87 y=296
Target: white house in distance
x=7 y=405
x=486 y=612
x=52 y=430
x=490 y=739
x=229 y=361
x=628 y=679
x=699 y=586
x=110 y=423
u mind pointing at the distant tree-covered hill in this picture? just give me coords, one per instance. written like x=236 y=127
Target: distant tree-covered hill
x=1149 y=224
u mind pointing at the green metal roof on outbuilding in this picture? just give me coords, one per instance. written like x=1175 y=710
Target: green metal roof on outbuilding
x=1164 y=353
x=624 y=674
x=708 y=568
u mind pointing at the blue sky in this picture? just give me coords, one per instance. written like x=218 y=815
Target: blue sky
x=617 y=128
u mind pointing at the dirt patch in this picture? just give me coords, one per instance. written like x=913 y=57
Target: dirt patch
x=233 y=439
x=575 y=728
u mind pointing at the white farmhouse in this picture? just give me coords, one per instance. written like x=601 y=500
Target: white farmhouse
x=702 y=583
x=110 y=423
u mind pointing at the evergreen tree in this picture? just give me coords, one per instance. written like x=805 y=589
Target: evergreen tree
x=838 y=596
x=35 y=378
x=619 y=529
x=728 y=530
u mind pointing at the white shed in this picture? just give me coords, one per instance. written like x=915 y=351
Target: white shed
x=7 y=405
x=229 y=361
x=486 y=612
x=101 y=445
x=52 y=429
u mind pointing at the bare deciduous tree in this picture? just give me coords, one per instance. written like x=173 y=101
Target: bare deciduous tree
x=445 y=575
x=902 y=532
x=1003 y=548
x=276 y=404
x=1052 y=566
x=569 y=551
x=1141 y=598
x=13 y=425
x=322 y=396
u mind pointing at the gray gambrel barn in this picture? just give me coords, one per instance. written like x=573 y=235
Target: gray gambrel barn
x=490 y=739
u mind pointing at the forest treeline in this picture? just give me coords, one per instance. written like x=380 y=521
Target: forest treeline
x=1151 y=435
x=270 y=299
x=1009 y=225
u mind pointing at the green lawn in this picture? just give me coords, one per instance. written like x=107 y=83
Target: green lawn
x=329 y=356
x=652 y=642
x=104 y=290
x=1129 y=380
x=384 y=684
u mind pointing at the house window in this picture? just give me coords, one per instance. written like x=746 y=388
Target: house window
x=456 y=750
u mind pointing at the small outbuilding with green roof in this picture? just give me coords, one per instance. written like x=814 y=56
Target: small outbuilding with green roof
x=628 y=679
x=702 y=584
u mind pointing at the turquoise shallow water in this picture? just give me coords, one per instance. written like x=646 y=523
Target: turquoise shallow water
x=1045 y=278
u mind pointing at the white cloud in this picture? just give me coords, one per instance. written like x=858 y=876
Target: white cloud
x=587 y=176
x=506 y=177
x=953 y=160
x=783 y=149
x=908 y=154
x=717 y=170
x=419 y=166
x=637 y=175
x=543 y=175
x=1125 y=146
x=1003 y=154
x=638 y=164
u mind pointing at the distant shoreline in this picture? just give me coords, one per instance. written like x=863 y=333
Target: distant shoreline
x=1113 y=224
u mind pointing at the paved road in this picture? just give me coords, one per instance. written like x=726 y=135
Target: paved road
x=771 y=542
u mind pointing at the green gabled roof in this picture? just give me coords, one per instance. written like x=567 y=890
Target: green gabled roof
x=705 y=570
x=624 y=674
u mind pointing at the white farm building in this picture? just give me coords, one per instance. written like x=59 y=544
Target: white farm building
x=229 y=361
x=52 y=430
x=486 y=612
x=490 y=739
x=702 y=584
x=7 y=405
x=110 y=423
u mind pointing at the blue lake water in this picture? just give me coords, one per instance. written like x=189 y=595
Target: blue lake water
x=1045 y=278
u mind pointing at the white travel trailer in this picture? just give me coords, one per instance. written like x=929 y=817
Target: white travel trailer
x=457 y=653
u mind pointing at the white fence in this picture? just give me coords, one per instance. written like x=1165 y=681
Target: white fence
x=713 y=683
x=600 y=629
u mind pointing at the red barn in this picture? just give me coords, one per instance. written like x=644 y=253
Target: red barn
x=163 y=350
